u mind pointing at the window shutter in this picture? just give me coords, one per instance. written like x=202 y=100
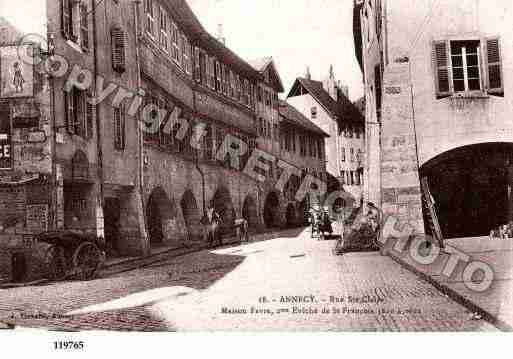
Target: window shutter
x=67 y=29
x=118 y=49
x=197 y=65
x=90 y=110
x=494 y=66
x=442 y=73
x=84 y=26
x=69 y=111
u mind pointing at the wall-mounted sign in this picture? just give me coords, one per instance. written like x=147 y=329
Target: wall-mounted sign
x=16 y=76
x=25 y=115
x=37 y=217
x=5 y=138
x=393 y=90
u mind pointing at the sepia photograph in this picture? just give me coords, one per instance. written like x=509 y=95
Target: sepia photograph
x=238 y=166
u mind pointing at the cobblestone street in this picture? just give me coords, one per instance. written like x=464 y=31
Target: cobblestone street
x=278 y=284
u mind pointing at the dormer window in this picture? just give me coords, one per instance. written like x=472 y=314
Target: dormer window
x=314 y=112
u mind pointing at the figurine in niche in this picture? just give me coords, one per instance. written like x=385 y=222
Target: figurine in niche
x=18 y=79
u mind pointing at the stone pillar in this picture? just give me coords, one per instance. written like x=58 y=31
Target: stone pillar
x=400 y=183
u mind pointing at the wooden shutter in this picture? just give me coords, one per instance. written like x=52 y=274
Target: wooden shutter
x=84 y=26
x=69 y=111
x=66 y=20
x=494 y=67
x=442 y=68
x=90 y=111
x=118 y=49
x=197 y=65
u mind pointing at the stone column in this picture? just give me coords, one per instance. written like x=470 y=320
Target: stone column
x=400 y=183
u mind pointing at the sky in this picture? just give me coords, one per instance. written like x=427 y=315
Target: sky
x=27 y=15
x=296 y=33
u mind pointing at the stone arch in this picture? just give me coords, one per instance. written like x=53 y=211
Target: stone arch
x=191 y=214
x=250 y=212
x=161 y=217
x=302 y=212
x=271 y=210
x=291 y=216
x=223 y=205
x=470 y=187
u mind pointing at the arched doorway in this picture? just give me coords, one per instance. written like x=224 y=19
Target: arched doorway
x=291 y=216
x=191 y=214
x=159 y=212
x=470 y=187
x=271 y=210
x=250 y=212
x=223 y=205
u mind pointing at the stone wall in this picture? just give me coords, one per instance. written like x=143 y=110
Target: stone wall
x=400 y=185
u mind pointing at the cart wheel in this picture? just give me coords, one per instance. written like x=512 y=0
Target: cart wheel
x=86 y=260
x=55 y=263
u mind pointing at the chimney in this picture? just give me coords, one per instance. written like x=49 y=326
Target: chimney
x=308 y=75
x=220 y=34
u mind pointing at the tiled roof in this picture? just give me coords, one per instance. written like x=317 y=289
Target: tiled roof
x=260 y=64
x=297 y=118
x=192 y=26
x=343 y=109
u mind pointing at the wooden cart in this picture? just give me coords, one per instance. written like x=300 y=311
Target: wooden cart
x=72 y=255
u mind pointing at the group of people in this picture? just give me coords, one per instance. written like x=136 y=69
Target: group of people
x=212 y=224
x=325 y=222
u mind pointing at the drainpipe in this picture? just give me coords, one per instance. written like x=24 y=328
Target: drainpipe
x=196 y=162
x=140 y=141
x=97 y=110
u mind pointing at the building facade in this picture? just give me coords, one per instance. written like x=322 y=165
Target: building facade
x=133 y=123
x=444 y=110
x=302 y=145
x=326 y=104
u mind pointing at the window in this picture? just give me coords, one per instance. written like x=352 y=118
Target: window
x=232 y=84
x=342 y=177
x=84 y=27
x=198 y=62
x=467 y=66
x=186 y=55
x=378 y=89
x=78 y=113
x=67 y=19
x=218 y=76
x=314 y=112
x=119 y=127
x=164 y=37
x=118 y=49
x=73 y=27
x=150 y=17
x=352 y=154
x=343 y=155
x=176 y=42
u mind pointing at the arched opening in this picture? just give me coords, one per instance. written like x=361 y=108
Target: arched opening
x=471 y=188
x=223 y=205
x=291 y=216
x=271 y=208
x=191 y=214
x=250 y=212
x=303 y=212
x=159 y=212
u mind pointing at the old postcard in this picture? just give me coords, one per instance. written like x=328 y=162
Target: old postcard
x=273 y=165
